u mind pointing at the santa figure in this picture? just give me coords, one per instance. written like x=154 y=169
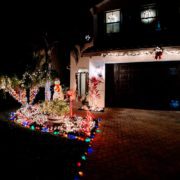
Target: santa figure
x=158 y=53
x=58 y=93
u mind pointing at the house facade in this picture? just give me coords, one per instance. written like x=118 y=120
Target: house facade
x=134 y=57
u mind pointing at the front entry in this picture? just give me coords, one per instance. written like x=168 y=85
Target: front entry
x=82 y=78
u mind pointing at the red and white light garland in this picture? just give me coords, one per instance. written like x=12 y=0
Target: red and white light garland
x=66 y=124
x=19 y=95
x=33 y=92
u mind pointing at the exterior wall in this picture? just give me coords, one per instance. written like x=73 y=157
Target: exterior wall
x=134 y=33
x=96 y=64
x=129 y=57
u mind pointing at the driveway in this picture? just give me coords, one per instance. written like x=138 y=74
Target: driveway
x=135 y=144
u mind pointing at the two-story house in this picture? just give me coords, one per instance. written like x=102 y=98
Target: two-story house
x=135 y=53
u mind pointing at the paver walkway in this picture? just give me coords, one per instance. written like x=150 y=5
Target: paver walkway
x=135 y=144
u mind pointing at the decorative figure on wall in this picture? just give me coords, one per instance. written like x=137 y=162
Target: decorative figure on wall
x=158 y=53
x=58 y=93
x=94 y=91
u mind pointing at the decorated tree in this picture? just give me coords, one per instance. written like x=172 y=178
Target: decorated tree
x=94 y=91
x=25 y=89
x=57 y=111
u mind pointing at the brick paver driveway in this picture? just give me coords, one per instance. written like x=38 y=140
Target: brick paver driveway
x=135 y=144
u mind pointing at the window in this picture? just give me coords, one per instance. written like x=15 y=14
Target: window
x=112 y=21
x=148 y=15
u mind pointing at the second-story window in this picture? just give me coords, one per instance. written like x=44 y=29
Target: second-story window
x=112 y=20
x=148 y=15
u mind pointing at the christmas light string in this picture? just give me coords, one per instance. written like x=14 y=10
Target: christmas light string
x=85 y=134
x=79 y=170
x=75 y=127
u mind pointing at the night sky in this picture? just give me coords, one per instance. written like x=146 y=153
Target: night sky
x=24 y=24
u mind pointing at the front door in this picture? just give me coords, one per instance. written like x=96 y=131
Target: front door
x=82 y=78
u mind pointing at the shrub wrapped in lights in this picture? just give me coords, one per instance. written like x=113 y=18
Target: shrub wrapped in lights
x=55 y=108
x=30 y=114
x=40 y=116
x=33 y=114
x=54 y=116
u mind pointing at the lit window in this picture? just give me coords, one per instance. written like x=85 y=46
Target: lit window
x=148 y=16
x=112 y=21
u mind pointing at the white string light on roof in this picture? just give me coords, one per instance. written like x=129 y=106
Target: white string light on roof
x=169 y=51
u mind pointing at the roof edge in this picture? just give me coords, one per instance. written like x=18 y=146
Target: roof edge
x=134 y=51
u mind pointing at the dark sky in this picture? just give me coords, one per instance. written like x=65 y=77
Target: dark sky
x=64 y=17
x=24 y=23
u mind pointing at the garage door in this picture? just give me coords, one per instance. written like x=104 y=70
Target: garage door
x=143 y=85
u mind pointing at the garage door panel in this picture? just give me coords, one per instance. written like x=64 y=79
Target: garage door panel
x=144 y=85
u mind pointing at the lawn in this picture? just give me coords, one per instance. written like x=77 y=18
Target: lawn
x=28 y=154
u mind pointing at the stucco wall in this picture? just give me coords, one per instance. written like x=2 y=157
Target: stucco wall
x=96 y=63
